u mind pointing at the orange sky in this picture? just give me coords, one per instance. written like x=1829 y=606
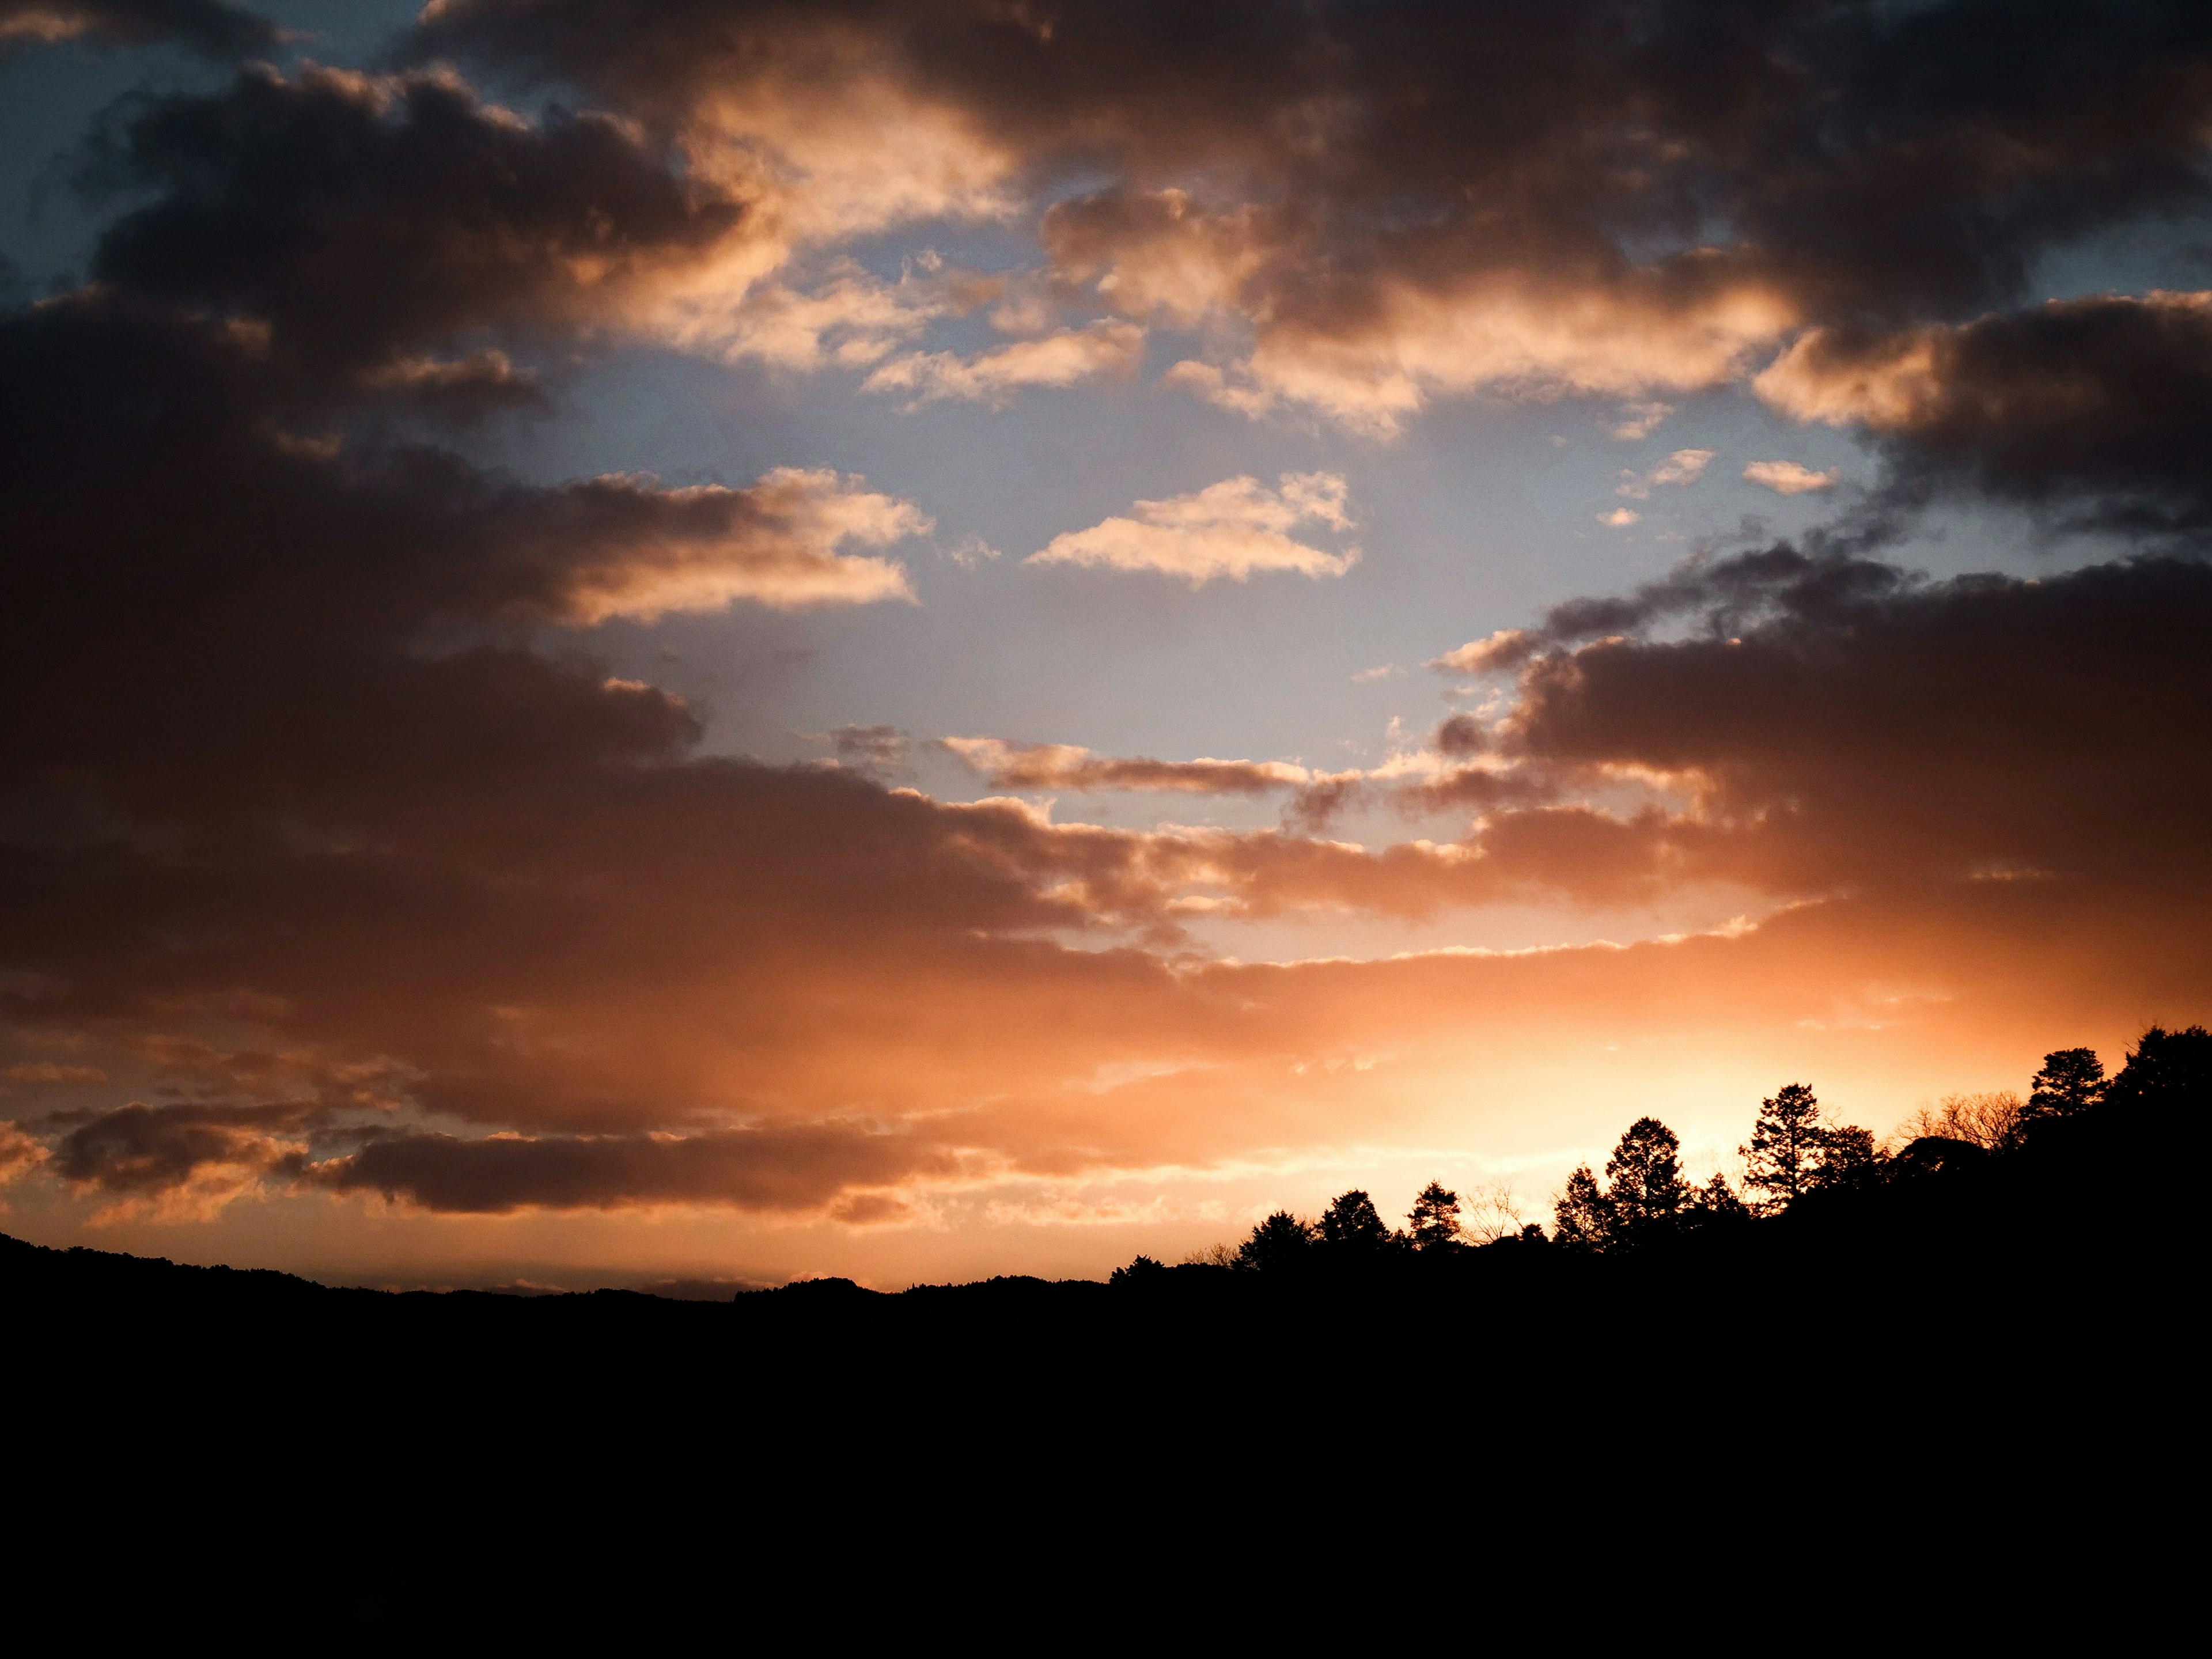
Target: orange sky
x=529 y=760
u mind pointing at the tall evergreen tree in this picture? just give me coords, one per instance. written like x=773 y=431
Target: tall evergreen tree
x=1352 y=1220
x=1645 y=1177
x=1582 y=1220
x=1282 y=1241
x=2072 y=1081
x=1783 y=1161
x=1434 y=1218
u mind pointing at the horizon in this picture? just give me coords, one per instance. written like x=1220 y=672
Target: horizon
x=719 y=643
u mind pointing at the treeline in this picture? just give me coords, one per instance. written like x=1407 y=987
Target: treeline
x=1795 y=1156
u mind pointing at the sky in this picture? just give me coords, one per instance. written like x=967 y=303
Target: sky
x=687 y=644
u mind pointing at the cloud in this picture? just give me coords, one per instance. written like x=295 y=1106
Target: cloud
x=2084 y=407
x=1621 y=517
x=850 y=319
x=790 y=1169
x=361 y=221
x=1684 y=467
x=1506 y=647
x=352 y=881
x=20 y=1153
x=177 y=1162
x=49 y=1072
x=1789 y=477
x=877 y=748
x=1230 y=529
x=653 y=551
x=1063 y=766
x=1159 y=253
x=1576 y=206
x=1640 y=420
x=462 y=389
x=992 y=377
x=212 y=26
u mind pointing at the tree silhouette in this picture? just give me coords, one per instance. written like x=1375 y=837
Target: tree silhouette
x=2165 y=1069
x=1716 y=1201
x=1645 y=1177
x=2072 y=1081
x=1279 y=1242
x=1350 y=1220
x=1991 y=1121
x=1848 y=1156
x=1784 y=1157
x=1434 y=1218
x=1582 y=1218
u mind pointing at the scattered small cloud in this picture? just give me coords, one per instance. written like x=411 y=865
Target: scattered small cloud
x=1684 y=467
x=1789 y=478
x=1230 y=530
x=881 y=748
x=1639 y=420
x=970 y=551
x=1621 y=517
x=992 y=378
x=1376 y=676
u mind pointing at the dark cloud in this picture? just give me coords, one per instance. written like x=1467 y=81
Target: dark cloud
x=798 y=1168
x=301 y=731
x=1872 y=727
x=2088 y=409
x=1415 y=198
x=1005 y=765
x=139 y=1151
x=214 y=27
x=365 y=220
x=1822 y=574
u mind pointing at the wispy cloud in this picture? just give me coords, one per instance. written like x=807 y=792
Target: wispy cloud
x=1228 y=530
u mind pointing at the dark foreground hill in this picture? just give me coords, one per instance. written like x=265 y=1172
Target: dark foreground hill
x=1984 y=1361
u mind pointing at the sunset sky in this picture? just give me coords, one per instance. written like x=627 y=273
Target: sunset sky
x=682 y=642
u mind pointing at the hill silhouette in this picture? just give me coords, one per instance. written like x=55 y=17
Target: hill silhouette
x=1952 y=1336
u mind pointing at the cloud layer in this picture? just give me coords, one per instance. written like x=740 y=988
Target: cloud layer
x=1376 y=207
x=339 y=864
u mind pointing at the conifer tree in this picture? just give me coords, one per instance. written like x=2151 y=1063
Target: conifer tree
x=2072 y=1081
x=1280 y=1242
x=1434 y=1218
x=1351 y=1220
x=1582 y=1220
x=1645 y=1176
x=1783 y=1161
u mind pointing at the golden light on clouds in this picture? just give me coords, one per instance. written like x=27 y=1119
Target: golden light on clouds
x=525 y=749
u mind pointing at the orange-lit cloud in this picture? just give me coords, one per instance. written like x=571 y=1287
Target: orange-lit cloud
x=1570 y=209
x=1063 y=766
x=1228 y=530
x=989 y=377
x=333 y=882
x=214 y=27
x=1789 y=477
x=700 y=548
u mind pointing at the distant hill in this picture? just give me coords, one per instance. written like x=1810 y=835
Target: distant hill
x=1989 y=1355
